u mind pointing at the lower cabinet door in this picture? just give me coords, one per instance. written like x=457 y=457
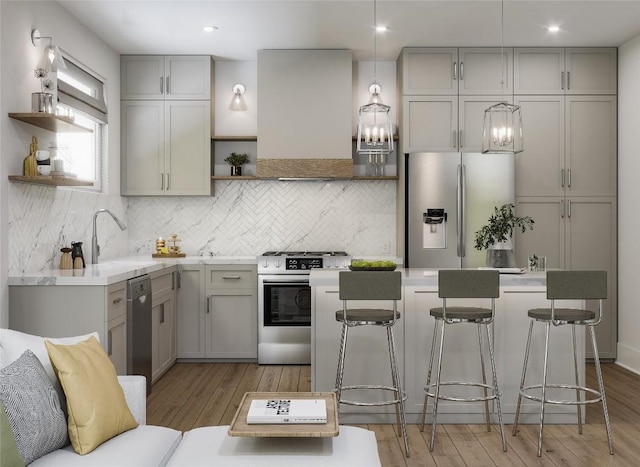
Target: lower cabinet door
x=117 y=343
x=232 y=326
x=163 y=335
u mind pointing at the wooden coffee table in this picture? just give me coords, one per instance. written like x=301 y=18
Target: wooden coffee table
x=239 y=426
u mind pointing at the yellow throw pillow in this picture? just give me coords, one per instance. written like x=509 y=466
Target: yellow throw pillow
x=97 y=408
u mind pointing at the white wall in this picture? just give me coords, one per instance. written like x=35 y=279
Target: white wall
x=37 y=221
x=628 y=204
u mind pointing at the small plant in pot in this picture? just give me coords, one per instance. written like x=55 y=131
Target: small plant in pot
x=496 y=236
x=236 y=161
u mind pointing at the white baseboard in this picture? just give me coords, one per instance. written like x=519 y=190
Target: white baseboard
x=628 y=358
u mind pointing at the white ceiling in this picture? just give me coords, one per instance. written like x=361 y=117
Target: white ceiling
x=175 y=27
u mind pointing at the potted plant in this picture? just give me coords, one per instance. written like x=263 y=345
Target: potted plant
x=236 y=161
x=496 y=236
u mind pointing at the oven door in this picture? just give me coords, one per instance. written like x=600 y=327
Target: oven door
x=285 y=301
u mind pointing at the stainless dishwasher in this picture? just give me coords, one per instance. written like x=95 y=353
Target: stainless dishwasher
x=139 y=328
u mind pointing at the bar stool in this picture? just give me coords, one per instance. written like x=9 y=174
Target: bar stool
x=464 y=284
x=372 y=285
x=568 y=285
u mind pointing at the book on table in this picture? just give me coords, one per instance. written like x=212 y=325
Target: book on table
x=281 y=411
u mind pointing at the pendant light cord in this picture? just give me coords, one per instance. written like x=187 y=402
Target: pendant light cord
x=375 y=41
x=502 y=48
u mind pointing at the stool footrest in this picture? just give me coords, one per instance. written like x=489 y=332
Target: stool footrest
x=462 y=399
x=371 y=404
x=523 y=393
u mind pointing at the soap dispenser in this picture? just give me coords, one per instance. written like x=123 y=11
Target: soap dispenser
x=78 y=257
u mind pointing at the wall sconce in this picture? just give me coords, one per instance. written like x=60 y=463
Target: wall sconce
x=51 y=57
x=237 y=102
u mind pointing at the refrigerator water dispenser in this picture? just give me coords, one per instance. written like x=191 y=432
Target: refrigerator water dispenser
x=434 y=233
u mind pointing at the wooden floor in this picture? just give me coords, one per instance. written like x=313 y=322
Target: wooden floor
x=191 y=395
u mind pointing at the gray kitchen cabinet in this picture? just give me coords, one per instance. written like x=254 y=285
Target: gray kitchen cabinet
x=166 y=125
x=452 y=71
x=166 y=148
x=444 y=123
x=191 y=311
x=570 y=146
x=73 y=310
x=565 y=71
x=231 y=321
x=180 y=77
x=163 y=322
x=576 y=233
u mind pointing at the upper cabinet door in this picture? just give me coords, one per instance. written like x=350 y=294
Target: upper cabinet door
x=591 y=71
x=188 y=77
x=431 y=124
x=538 y=71
x=142 y=77
x=430 y=71
x=482 y=70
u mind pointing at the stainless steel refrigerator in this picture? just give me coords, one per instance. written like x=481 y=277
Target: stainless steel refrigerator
x=448 y=197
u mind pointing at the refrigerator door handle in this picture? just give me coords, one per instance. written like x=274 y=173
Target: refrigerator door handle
x=460 y=196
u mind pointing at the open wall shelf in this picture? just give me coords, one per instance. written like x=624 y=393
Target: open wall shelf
x=54 y=123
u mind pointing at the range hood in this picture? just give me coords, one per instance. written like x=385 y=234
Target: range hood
x=304 y=114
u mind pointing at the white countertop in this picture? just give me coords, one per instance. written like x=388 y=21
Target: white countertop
x=429 y=278
x=118 y=269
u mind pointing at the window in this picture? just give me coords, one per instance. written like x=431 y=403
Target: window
x=81 y=95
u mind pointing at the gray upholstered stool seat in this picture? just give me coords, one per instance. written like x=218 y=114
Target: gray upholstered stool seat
x=368 y=286
x=467 y=313
x=567 y=285
x=364 y=316
x=568 y=315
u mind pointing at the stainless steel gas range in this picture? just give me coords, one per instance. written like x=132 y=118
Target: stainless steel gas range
x=284 y=303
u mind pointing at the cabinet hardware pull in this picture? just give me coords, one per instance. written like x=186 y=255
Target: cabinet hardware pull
x=461 y=71
x=179 y=278
x=455 y=70
x=569 y=178
x=562 y=80
x=168 y=181
x=568 y=80
x=161 y=85
x=208 y=303
x=562 y=177
x=117 y=300
x=161 y=181
x=231 y=277
x=562 y=209
x=461 y=138
x=568 y=208
x=109 y=342
x=162 y=315
x=168 y=77
x=454 y=138
x=173 y=281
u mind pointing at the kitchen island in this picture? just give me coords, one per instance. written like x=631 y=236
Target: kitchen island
x=367 y=359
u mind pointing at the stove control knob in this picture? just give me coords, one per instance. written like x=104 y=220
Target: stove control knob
x=266 y=263
x=277 y=263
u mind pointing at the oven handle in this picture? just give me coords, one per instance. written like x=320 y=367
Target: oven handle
x=286 y=283
x=284 y=279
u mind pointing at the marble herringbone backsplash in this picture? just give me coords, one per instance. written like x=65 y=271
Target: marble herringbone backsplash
x=250 y=217
x=242 y=218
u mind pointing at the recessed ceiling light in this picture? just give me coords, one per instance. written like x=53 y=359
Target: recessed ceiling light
x=381 y=29
x=210 y=28
x=553 y=29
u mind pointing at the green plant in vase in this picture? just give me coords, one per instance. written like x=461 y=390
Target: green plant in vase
x=496 y=235
x=236 y=161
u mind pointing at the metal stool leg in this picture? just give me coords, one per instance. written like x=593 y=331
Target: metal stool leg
x=484 y=380
x=426 y=388
x=437 y=393
x=341 y=355
x=400 y=418
x=596 y=359
x=544 y=386
x=524 y=373
x=496 y=389
x=575 y=369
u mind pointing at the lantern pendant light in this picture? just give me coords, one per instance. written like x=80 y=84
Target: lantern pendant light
x=502 y=129
x=375 y=130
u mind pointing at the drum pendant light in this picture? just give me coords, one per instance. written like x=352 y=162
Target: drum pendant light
x=502 y=129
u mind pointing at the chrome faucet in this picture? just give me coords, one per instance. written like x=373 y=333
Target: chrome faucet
x=95 y=248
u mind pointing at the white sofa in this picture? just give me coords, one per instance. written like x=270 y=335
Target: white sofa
x=143 y=446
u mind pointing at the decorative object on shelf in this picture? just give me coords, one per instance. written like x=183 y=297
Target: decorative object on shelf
x=375 y=129
x=502 y=129
x=236 y=161
x=66 y=260
x=51 y=61
x=168 y=248
x=30 y=162
x=496 y=236
x=174 y=244
x=76 y=254
x=237 y=102
x=161 y=246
